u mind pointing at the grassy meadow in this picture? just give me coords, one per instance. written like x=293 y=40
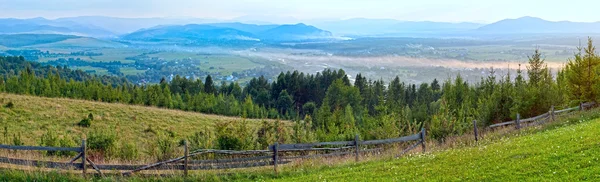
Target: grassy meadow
x=137 y=126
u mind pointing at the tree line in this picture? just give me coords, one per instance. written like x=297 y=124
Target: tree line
x=327 y=105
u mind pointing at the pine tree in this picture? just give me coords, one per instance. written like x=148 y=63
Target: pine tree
x=582 y=75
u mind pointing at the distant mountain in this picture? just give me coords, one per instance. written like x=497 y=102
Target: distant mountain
x=365 y=27
x=295 y=32
x=129 y=25
x=251 y=28
x=41 y=25
x=229 y=31
x=19 y=40
x=189 y=32
x=533 y=25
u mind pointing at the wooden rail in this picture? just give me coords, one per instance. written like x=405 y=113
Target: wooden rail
x=547 y=115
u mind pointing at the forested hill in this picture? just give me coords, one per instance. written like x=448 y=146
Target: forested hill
x=330 y=106
x=11 y=66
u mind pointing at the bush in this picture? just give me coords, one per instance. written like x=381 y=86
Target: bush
x=85 y=122
x=101 y=140
x=128 y=150
x=90 y=117
x=50 y=139
x=9 y=105
x=17 y=140
x=229 y=143
x=166 y=148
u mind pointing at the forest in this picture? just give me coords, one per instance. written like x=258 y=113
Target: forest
x=326 y=106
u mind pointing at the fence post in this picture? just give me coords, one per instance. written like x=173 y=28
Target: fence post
x=275 y=156
x=552 y=113
x=423 y=139
x=356 y=147
x=518 y=121
x=186 y=154
x=475 y=130
x=83 y=157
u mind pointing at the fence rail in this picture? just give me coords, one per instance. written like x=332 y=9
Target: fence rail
x=548 y=115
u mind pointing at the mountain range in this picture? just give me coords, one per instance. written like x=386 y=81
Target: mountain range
x=211 y=29
x=230 y=31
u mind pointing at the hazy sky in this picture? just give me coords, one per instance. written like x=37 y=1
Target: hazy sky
x=286 y=10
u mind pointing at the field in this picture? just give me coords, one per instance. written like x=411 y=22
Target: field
x=92 y=70
x=31 y=117
x=565 y=150
x=212 y=63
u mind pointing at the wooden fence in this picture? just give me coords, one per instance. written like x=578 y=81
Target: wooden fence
x=277 y=154
x=543 y=117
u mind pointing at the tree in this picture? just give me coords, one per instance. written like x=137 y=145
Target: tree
x=284 y=102
x=209 y=86
x=582 y=75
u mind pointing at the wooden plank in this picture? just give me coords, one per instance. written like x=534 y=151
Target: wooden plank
x=311 y=145
x=231 y=152
x=152 y=165
x=77 y=157
x=95 y=167
x=317 y=155
x=315 y=149
x=409 y=148
x=14 y=147
x=392 y=140
x=566 y=110
x=246 y=159
x=42 y=164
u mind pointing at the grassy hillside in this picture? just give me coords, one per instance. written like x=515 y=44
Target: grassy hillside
x=567 y=150
x=569 y=153
x=31 y=117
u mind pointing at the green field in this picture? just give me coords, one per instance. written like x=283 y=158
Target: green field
x=31 y=117
x=566 y=150
x=131 y=71
x=224 y=64
x=97 y=71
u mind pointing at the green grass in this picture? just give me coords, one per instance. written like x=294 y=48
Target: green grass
x=224 y=64
x=131 y=71
x=558 y=153
x=566 y=150
x=34 y=116
x=98 y=71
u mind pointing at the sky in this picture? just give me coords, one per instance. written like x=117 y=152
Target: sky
x=282 y=11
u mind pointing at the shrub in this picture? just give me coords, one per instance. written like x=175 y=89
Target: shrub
x=9 y=105
x=85 y=122
x=166 y=148
x=128 y=150
x=229 y=143
x=17 y=140
x=50 y=139
x=101 y=140
x=90 y=117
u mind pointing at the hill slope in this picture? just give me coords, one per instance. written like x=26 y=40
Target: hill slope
x=33 y=116
x=569 y=153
